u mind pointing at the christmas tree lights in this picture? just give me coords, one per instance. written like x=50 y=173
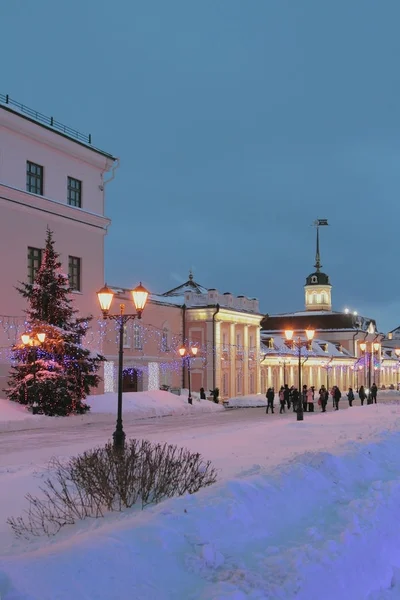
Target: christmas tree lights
x=56 y=374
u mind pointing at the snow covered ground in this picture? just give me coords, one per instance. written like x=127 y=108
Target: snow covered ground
x=301 y=511
x=138 y=405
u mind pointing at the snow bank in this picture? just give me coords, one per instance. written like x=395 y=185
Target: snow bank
x=155 y=403
x=250 y=401
x=139 y=405
x=12 y=411
x=323 y=526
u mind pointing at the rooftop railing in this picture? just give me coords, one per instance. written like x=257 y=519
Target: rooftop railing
x=49 y=121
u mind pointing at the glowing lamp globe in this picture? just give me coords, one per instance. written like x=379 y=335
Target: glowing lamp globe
x=194 y=350
x=310 y=334
x=105 y=296
x=363 y=346
x=397 y=351
x=182 y=351
x=376 y=346
x=26 y=338
x=289 y=334
x=140 y=295
x=41 y=337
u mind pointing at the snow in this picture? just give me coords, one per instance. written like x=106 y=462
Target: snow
x=301 y=511
x=140 y=405
x=155 y=403
x=253 y=400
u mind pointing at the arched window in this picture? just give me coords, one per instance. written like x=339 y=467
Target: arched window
x=165 y=338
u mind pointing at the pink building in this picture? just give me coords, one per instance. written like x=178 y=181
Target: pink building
x=224 y=328
x=50 y=176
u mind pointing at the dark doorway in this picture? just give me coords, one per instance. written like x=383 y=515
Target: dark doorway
x=129 y=380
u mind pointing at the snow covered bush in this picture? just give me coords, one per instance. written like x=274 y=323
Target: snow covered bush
x=105 y=479
x=57 y=375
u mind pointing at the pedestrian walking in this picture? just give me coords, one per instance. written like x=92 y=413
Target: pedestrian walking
x=374 y=392
x=304 y=398
x=287 y=395
x=295 y=399
x=323 y=398
x=282 y=400
x=270 y=395
x=350 y=396
x=336 y=397
x=362 y=395
x=310 y=399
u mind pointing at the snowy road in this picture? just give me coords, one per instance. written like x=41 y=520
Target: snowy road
x=49 y=436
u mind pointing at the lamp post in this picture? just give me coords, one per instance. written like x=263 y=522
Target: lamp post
x=33 y=342
x=328 y=367
x=187 y=354
x=375 y=346
x=139 y=297
x=299 y=344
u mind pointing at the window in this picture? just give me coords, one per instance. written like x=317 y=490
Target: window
x=164 y=340
x=239 y=383
x=126 y=337
x=224 y=344
x=74 y=193
x=34 y=178
x=74 y=272
x=225 y=384
x=137 y=337
x=251 y=383
x=34 y=262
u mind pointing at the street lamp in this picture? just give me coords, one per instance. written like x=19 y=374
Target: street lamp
x=187 y=354
x=328 y=367
x=299 y=343
x=139 y=297
x=33 y=342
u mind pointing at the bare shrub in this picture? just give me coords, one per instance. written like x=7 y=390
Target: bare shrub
x=104 y=479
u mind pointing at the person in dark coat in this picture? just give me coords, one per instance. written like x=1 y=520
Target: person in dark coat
x=337 y=395
x=282 y=400
x=323 y=398
x=286 y=392
x=304 y=398
x=362 y=395
x=350 y=396
x=374 y=392
x=270 y=400
x=295 y=399
x=202 y=394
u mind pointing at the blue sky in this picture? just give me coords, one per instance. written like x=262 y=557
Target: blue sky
x=237 y=122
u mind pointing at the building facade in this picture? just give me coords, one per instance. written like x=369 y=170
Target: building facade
x=50 y=177
x=348 y=350
x=225 y=329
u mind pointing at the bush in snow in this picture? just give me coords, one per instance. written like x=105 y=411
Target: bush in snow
x=56 y=376
x=105 y=479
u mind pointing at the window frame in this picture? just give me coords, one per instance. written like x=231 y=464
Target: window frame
x=71 y=274
x=73 y=190
x=36 y=177
x=32 y=269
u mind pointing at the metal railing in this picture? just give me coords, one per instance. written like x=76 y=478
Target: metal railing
x=49 y=121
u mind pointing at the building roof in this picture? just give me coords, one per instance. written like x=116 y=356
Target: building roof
x=318 y=320
x=317 y=278
x=319 y=348
x=50 y=124
x=189 y=286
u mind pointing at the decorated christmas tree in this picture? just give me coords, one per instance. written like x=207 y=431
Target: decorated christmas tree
x=53 y=371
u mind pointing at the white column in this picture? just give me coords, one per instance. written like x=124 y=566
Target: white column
x=232 y=360
x=245 y=383
x=257 y=360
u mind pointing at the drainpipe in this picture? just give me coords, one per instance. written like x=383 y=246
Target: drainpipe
x=213 y=318
x=183 y=341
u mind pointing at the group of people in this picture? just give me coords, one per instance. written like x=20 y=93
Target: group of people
x=291 y=397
